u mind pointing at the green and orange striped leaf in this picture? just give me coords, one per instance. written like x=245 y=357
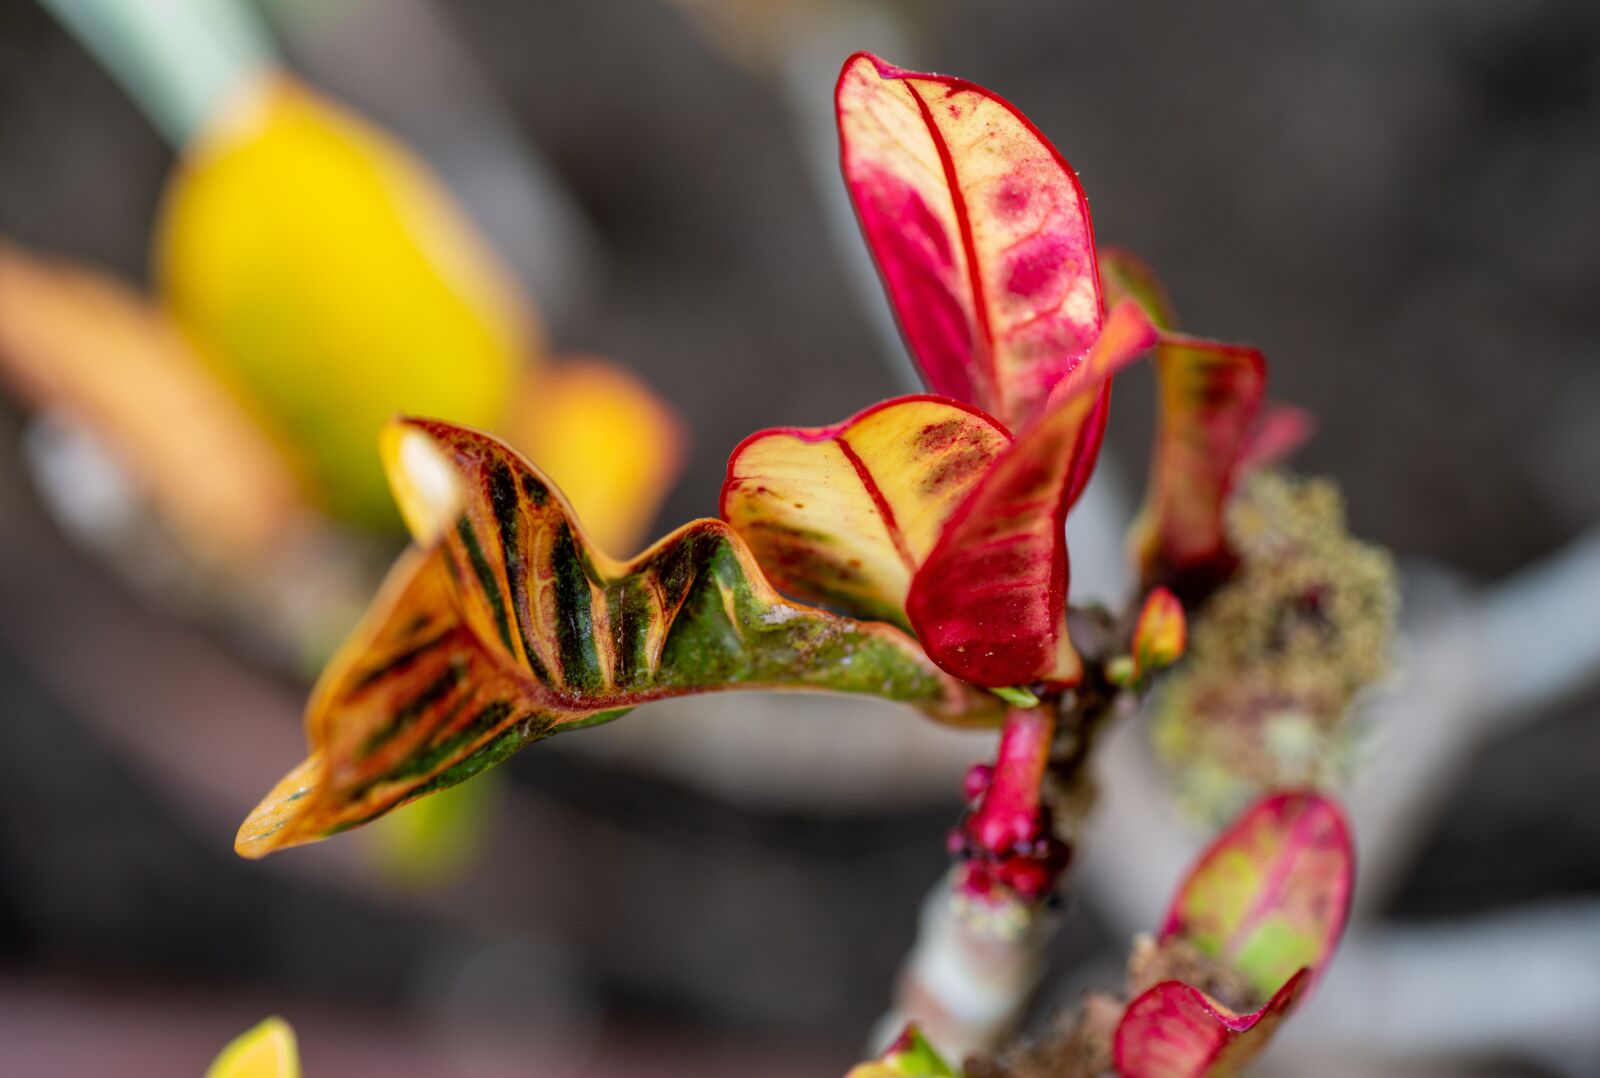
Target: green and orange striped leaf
x=980 y=231
x=989 y=603
x=844 y=515
x=506 y=625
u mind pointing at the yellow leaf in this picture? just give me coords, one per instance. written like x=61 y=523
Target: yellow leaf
x=267 y=1051
x=608 y=442
x=332 y=282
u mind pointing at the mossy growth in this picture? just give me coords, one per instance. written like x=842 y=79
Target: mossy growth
x=1280 y=653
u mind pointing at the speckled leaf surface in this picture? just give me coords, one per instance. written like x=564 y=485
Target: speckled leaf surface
x=980 y=231
x=506 y=626
x=989 y=604
x=1174 y=1030
x=1271 y=894
x=844 y=515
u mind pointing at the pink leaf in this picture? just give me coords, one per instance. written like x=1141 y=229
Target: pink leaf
x=1174 y=1030
x=1271 y=894
x=980 y=231
x=989 y=603
x=1279 y=430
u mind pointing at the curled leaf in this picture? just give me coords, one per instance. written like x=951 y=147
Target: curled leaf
x=989 y=603
x=844 y=515
x=611 y=445
x=1174 y=1030
x=333 y=282
x=1209 y=395
x=1271 y=894
x=980 y=231
x=507 y=625
x=265 y=1051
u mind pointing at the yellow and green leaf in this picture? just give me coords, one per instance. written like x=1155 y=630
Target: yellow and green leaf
x=980 y=231
x=1271 y=894
x=265 y=1051
x=1124 y=275
x=1161 y=633
x=844 y=515
x=332 y=282
x=910 y=1056
x=506 y=625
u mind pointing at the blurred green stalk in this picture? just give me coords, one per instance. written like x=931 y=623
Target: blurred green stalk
x=178 y=59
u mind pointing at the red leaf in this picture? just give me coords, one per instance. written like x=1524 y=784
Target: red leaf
x=980 y=231
x=989 y=604
x=1174 y=1030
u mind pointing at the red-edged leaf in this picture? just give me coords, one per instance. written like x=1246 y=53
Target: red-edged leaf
x=1210 y=393
x=1124 y=275
x=1174 y=1030
x=843 y=515
x=989 y=604
x=979 y=229
x=1271 y=894
x=1161 y=634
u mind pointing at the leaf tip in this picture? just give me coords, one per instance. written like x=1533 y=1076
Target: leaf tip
x=426 y=484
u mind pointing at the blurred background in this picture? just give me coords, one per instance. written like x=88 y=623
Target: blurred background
x=1396 y=202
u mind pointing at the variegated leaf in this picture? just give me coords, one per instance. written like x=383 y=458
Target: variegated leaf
x=989 y=603
x=844 y=515
x=1161 y=633
x=1271 y=894
x=980 y=231
x=1174 y=1030
x=1210 y=393
x=1124 y=275
x=506 y=625
x=910 y=1056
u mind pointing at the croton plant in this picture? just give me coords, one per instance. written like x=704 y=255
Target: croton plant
x=914 y=551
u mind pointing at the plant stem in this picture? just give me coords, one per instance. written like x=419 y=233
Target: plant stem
x=177 y=59
x=978 y=959
x=1010 y=806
